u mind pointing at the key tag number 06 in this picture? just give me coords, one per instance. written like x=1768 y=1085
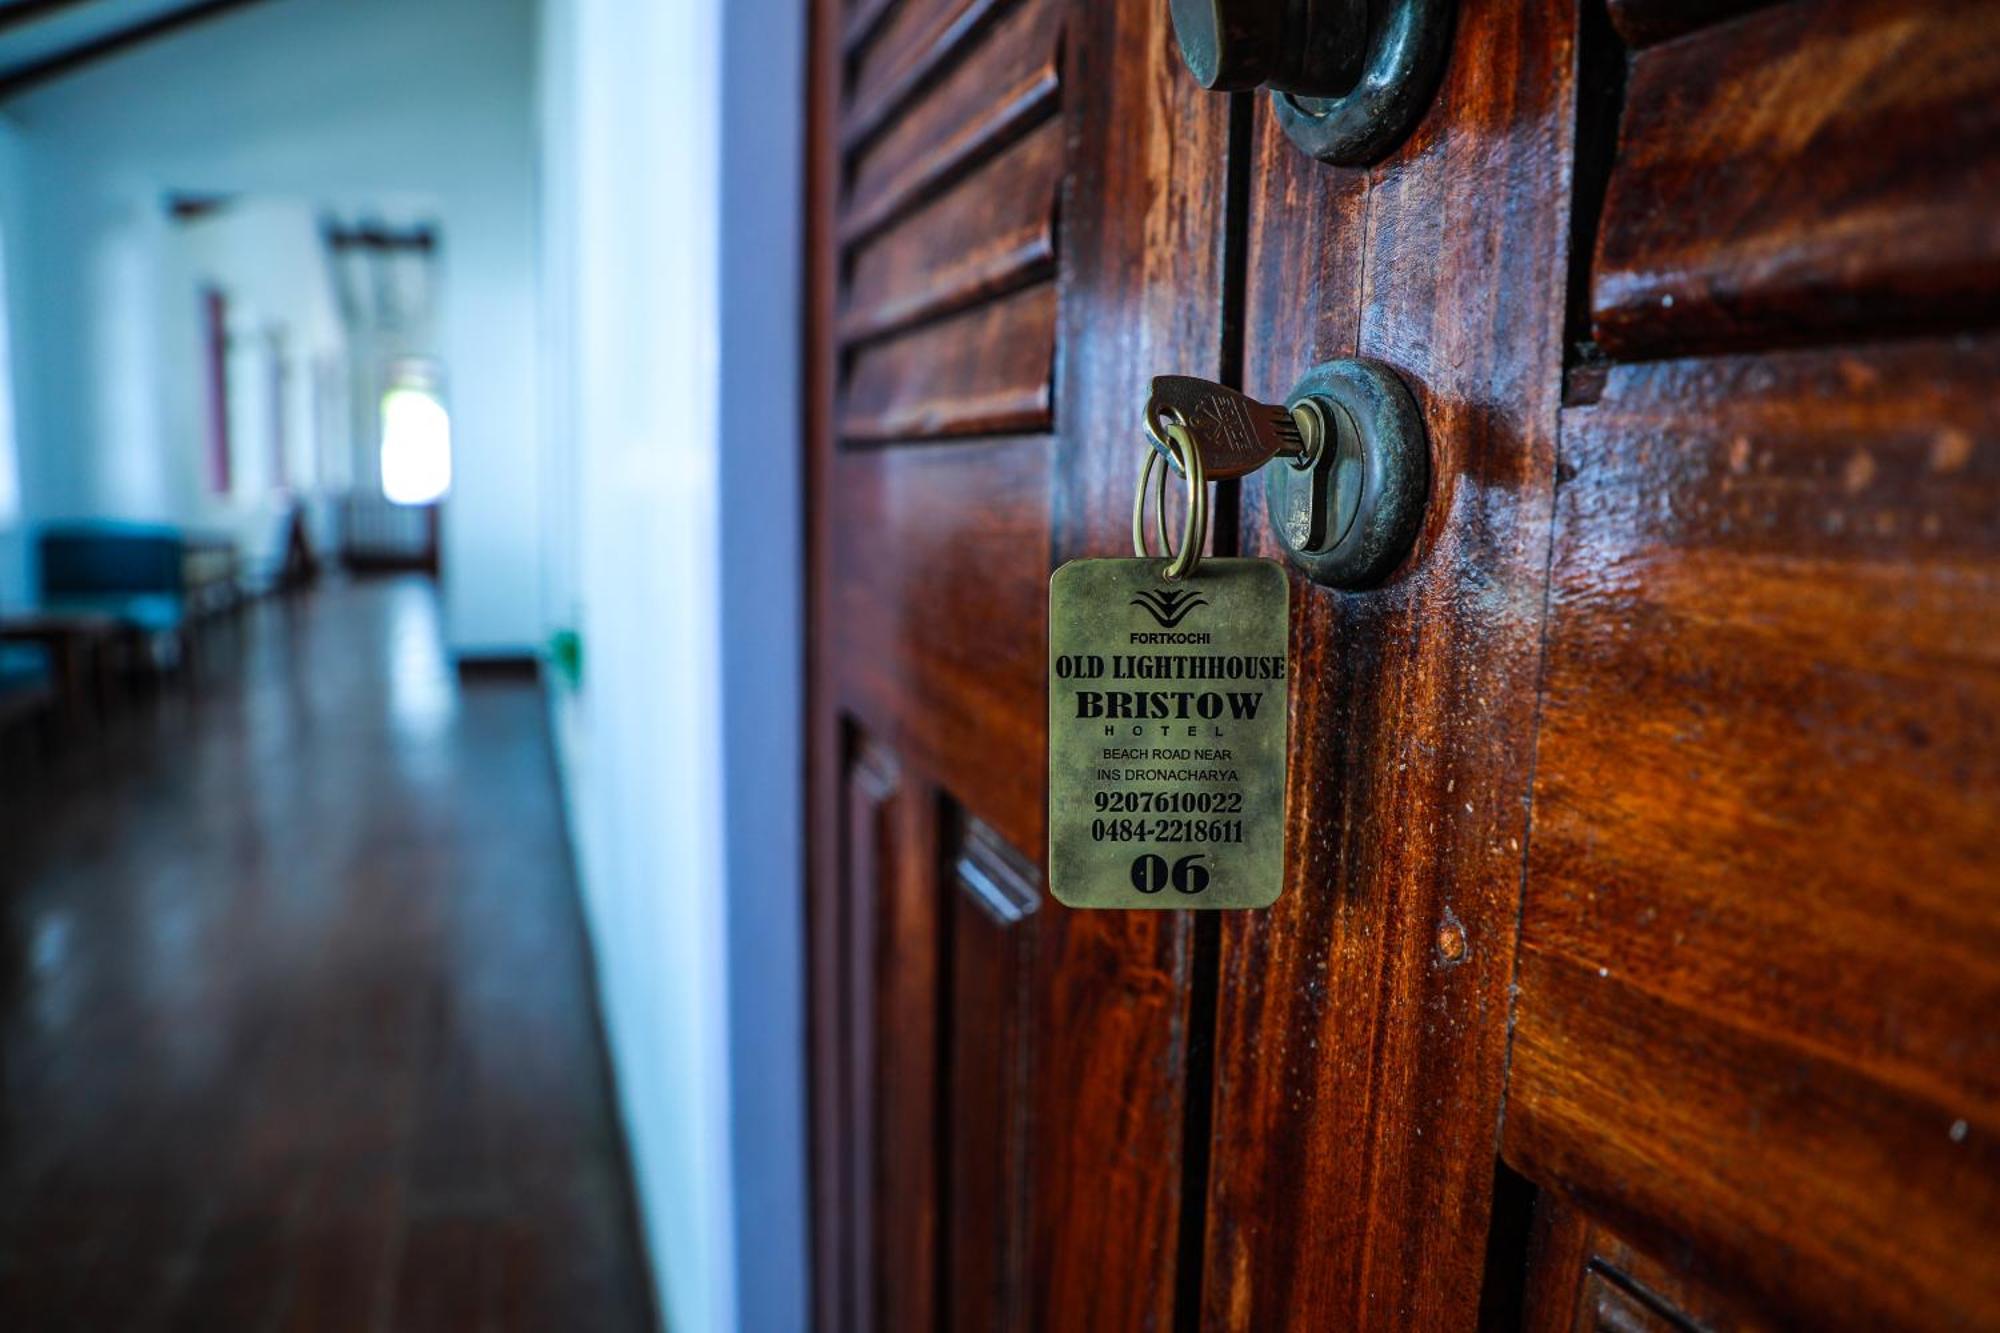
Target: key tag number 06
x=1168 y=721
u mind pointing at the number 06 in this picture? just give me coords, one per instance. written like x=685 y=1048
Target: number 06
x=1150 y=873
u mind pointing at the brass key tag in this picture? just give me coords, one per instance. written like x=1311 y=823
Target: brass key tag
x=1168 y=732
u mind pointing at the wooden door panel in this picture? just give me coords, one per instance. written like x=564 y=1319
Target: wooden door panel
x=899 y=1142
x=873 y=823
x=906 y=53
x=1759 y=955
x=1362 y=1022
x=1646 y=22
x=1817 y=169
x=990 y=236
x=1756 y=957
x=991 y=1029
x=1811 y=1193
x=1639 y=827
x=1005 y=85
x=934 y=536
x=934 y=317
x=980 y=361
x=982 y=372
x=1141 y=275
x=1772 y=636
x=1589 y=1280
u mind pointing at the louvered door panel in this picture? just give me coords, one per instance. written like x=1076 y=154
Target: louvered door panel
x=1014 y=1122
x=1810 y=171
x=1753 y=1063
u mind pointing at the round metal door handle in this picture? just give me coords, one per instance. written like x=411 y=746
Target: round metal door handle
x=1346 y=89
x=1296 y=46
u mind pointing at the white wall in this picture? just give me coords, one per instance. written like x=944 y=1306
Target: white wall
x=761 y=563
x=311 y=99
x=13 y=197
x=267 y=255
x=671 y=167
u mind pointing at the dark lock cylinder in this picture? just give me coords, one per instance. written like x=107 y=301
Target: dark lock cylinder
x=1310 y=47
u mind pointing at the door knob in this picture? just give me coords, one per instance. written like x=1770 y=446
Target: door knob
x=1295 y=46
x=1349 y=79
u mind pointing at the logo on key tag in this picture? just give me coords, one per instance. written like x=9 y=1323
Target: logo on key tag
x=1170 y=606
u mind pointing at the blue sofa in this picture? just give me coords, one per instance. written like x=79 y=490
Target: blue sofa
x=136 y=573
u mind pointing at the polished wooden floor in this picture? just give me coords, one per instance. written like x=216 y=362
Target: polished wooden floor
x=296 y=1028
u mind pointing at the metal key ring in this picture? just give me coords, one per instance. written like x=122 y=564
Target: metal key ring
x=1194 y=527
x=1157 y=426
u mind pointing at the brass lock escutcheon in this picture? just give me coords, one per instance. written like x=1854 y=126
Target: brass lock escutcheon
x=1349 y=79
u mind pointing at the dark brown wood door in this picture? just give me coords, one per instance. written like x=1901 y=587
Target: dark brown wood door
x=1003 y=1087
x=1640 y=945
x=1755 y=1058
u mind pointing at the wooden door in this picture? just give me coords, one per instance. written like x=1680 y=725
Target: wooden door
x=1755 y=1057
x=1002 y=1086
x=1637 y=958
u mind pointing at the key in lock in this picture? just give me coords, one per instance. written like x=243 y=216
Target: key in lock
x=1313 y=500
x=1349 y=462
x=1238 y=435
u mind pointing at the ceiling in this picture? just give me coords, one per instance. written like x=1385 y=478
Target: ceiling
x=43 y=39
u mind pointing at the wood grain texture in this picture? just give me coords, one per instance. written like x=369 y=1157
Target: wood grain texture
x=1584 y=1278
x=1140 y=268
x=1772 y=616
x=1359 y=1072
x=983 y=372
x=1819 y=169
x=1558 y=1259
x=874 y=813
x=1815 y=1196
x=992 y=234
x=938 y=614
x=1760 y=937
x=828 y=731
x=862 y=22
x=928 y=595
x=1667 y=1288
x=993 y=1026
x=1645 y=22
x=310 y=1040
x=1008 y=84
x=919 y=43
x=902 y=1138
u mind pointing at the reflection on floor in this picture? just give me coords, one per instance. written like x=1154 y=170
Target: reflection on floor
x=295 y=1016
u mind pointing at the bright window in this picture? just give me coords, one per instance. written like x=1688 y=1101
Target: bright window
x=416 y=445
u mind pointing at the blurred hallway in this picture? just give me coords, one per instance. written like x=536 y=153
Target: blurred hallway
x=296 y=1026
